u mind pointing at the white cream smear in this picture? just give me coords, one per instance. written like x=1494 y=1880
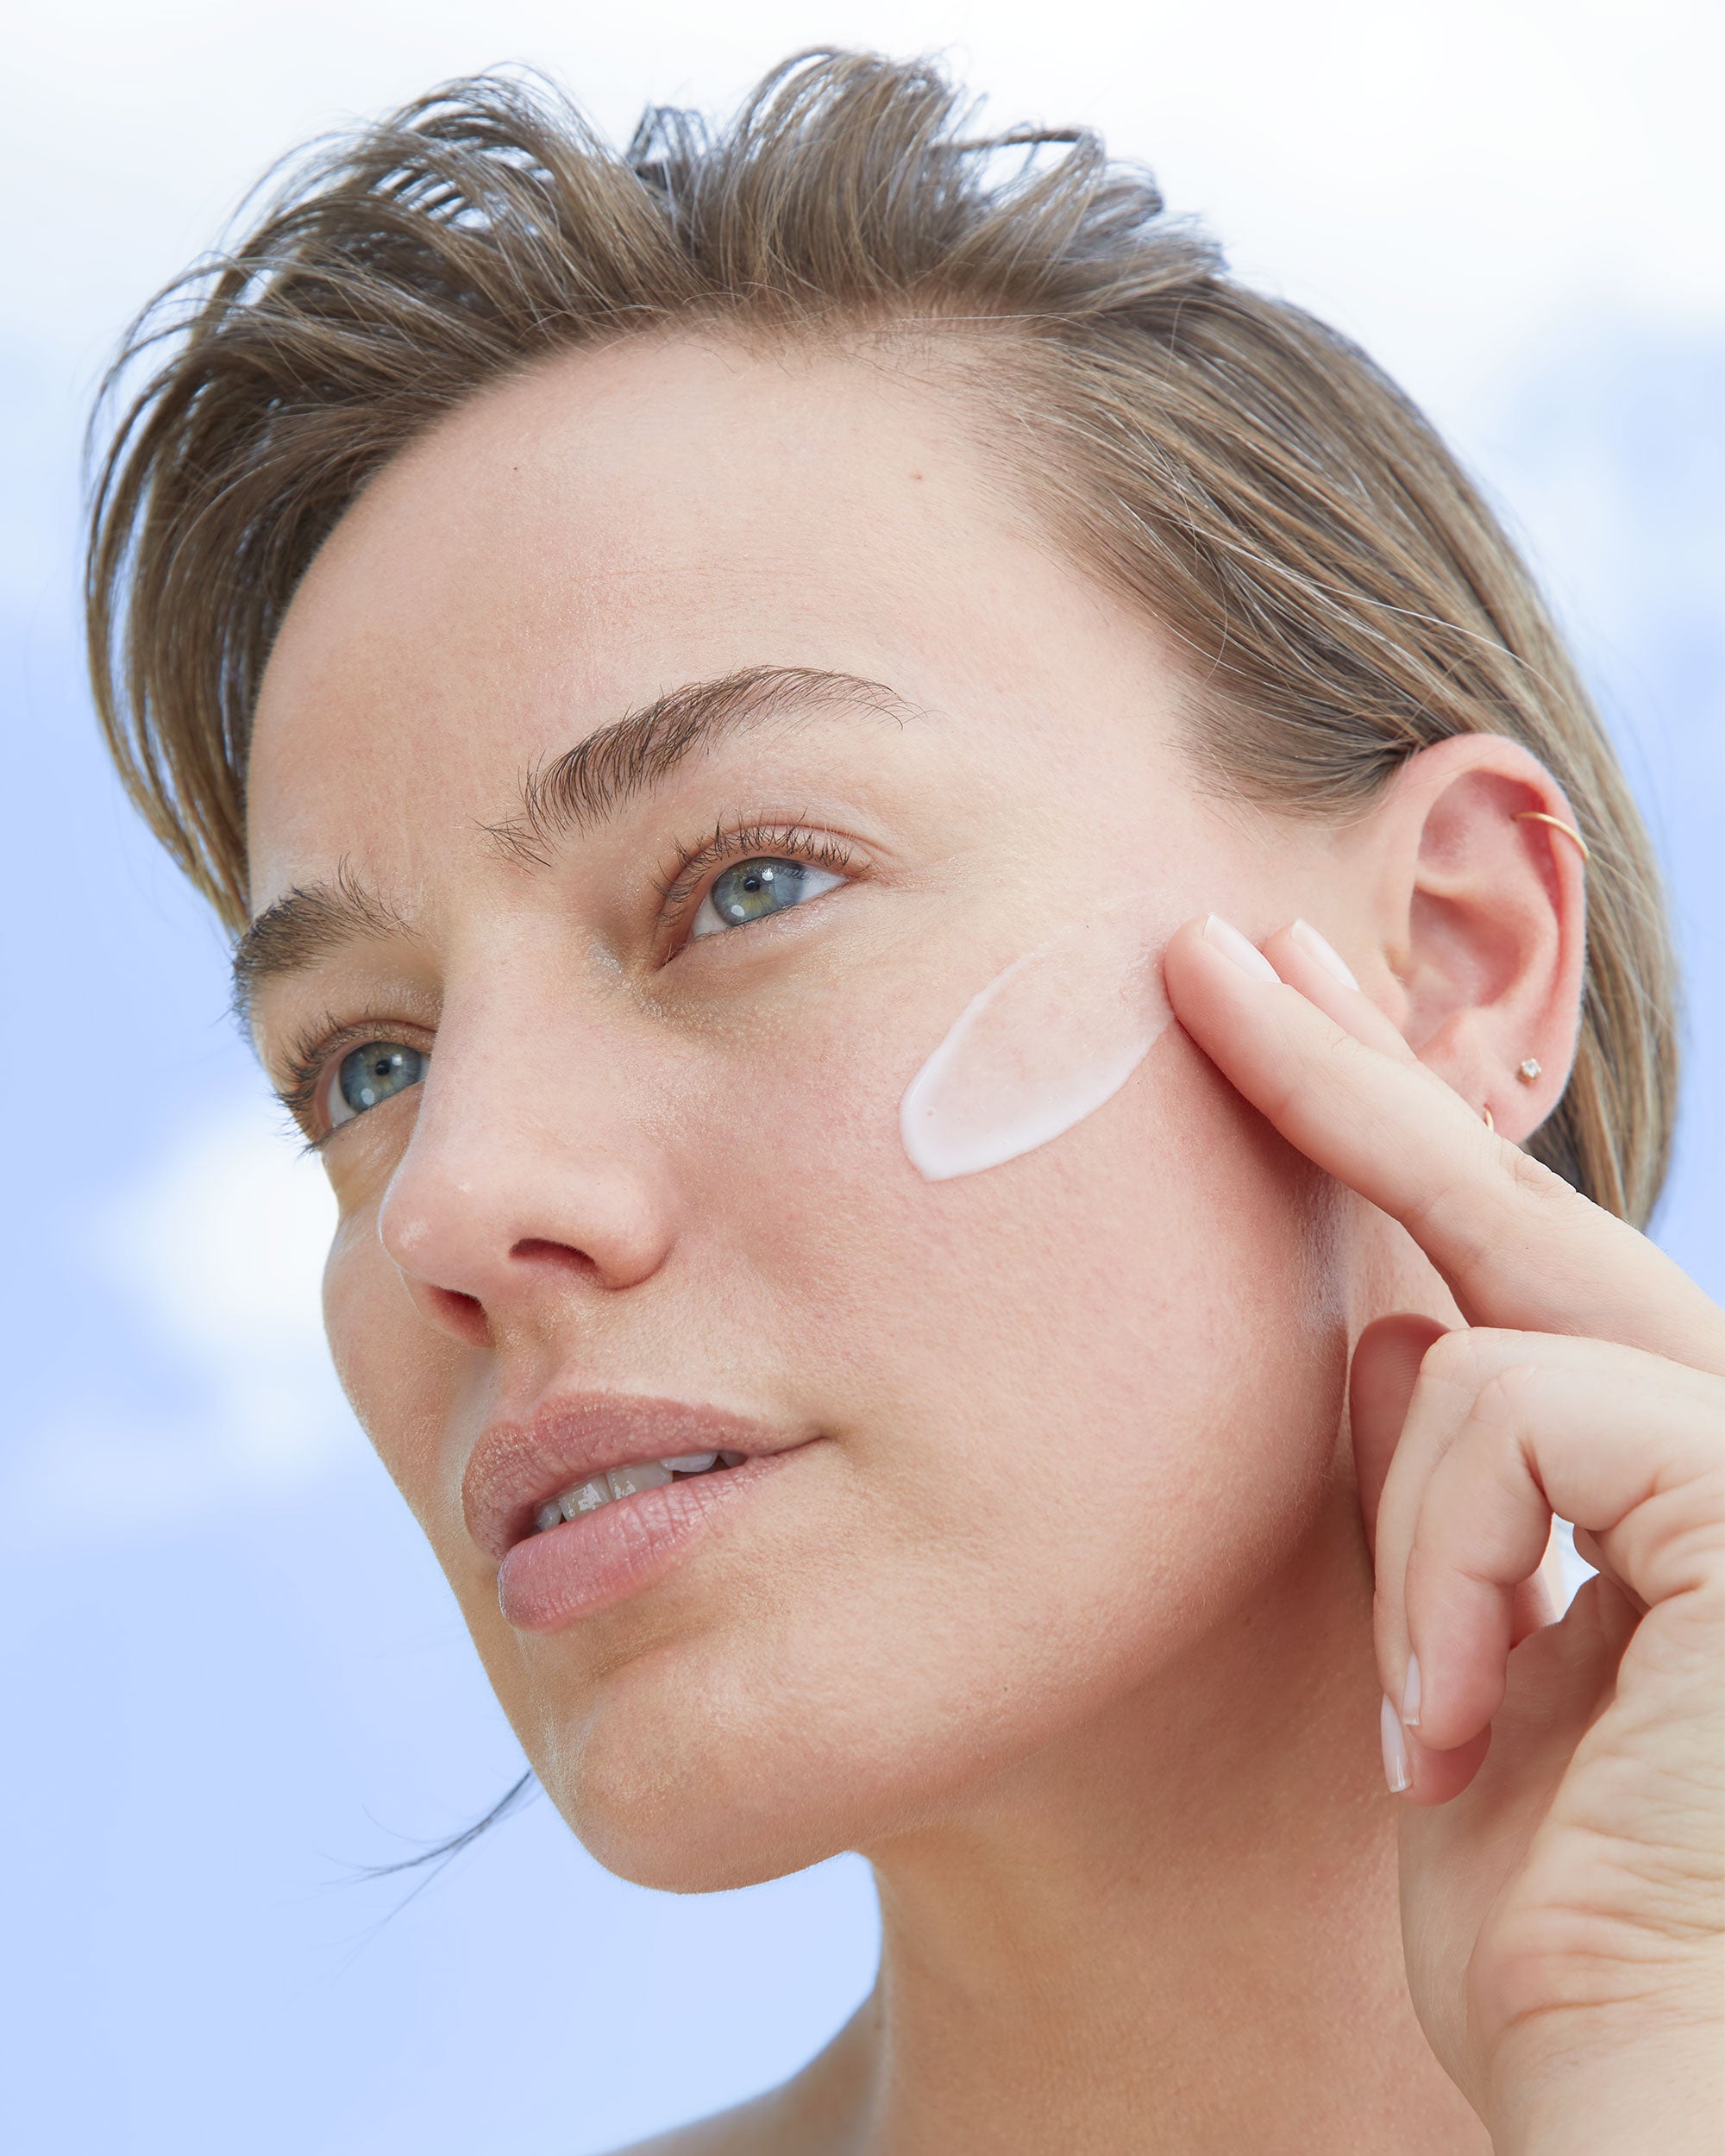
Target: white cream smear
x=1043 y=1045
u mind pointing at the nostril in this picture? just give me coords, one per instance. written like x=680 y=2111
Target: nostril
x=536 y=1250
x=463 y=1315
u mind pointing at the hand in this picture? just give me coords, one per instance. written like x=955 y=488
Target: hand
x=1563 y=1843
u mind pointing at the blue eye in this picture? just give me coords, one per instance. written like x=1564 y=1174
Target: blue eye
x=371 y=1074
x=750 y=890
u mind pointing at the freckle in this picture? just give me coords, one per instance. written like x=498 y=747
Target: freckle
x=916 y=475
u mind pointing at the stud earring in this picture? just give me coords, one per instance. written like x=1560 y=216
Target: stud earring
x=1529 y=1071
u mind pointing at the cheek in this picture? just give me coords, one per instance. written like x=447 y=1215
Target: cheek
x=1045 y=1044
x=400 y=1376
x=1082 y=1406
x=1116 y=1357
x=1148 y=1309
x=1169 y=1242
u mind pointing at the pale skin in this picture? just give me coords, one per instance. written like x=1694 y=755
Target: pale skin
x=1065 y=1615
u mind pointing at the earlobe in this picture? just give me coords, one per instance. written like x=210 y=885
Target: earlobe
x=1483 y=904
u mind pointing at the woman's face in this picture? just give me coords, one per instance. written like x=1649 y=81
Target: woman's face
x=1013 y=1442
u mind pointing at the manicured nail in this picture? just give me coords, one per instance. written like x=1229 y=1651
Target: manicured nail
x=1325 y=953
x=1395 y=1749
x=1411 y=1694
x=1245 y=954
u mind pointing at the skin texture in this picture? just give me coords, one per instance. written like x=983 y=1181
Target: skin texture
x=1064 y=1614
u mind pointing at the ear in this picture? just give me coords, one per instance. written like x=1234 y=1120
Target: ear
x=1481 y=913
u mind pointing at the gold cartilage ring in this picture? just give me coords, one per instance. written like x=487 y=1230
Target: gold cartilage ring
x=1569 y=830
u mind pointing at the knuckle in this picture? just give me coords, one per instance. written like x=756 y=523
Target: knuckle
x=1511 y=1396
x=1452 y=1357
x=1691 y=1563
x=1473 y=1358
x=1453 y=1213
x=1534 y=1180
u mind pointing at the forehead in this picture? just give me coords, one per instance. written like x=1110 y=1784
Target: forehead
x=578 y=541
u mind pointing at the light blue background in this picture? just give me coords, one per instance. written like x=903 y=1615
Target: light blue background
x=231 y=1672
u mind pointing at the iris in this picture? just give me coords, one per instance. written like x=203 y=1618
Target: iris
x=750 y=890
x=372 y=1072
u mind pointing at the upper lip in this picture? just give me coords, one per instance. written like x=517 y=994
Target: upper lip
x=520 y=1462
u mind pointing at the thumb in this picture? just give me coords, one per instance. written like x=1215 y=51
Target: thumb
x=1386 y=1368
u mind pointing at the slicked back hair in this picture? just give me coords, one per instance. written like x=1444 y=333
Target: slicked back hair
x=1246 y=475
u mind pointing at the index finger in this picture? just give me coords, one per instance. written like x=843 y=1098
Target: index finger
x=1516 y=1246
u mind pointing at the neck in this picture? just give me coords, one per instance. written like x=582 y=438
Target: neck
x=1177 y=1928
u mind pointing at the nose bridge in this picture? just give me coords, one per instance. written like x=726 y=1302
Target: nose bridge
x=533 y=1157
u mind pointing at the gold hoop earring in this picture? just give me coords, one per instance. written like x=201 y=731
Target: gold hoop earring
x=1569 y=830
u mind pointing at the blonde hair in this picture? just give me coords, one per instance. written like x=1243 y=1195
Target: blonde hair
x=1242 y=472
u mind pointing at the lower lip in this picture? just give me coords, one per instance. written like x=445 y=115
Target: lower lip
x=549 y=1580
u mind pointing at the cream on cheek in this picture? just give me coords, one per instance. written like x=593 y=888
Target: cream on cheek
x=1048 y=1040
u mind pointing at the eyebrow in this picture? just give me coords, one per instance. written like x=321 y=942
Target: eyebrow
x=303 y=925
x=630 y=757
x=570 y=795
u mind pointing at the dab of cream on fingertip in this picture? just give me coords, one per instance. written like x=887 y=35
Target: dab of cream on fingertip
x=1050 y=1039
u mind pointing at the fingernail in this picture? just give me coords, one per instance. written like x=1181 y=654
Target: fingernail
x=1411 y=1694
x=1395 y=1749
x=1325 y=953
x=1246 y=955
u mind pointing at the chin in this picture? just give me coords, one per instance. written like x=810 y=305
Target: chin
x=693 y=1787
x=721 y=1757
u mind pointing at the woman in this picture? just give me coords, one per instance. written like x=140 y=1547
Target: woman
x=957 y=941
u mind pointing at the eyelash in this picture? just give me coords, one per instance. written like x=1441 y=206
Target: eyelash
x=788 y=842
x=306 y=1065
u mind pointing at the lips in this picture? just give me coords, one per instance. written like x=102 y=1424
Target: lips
x=548 y=1578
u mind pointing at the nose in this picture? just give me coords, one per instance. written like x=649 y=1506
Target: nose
x=509 y=1200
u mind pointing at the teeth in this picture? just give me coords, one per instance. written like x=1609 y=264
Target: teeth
x=641 y=1475
x=626 y=1482
x=587 y=1498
